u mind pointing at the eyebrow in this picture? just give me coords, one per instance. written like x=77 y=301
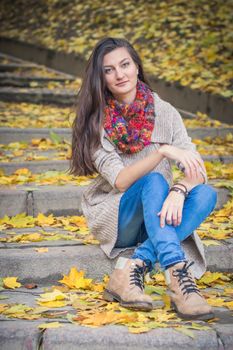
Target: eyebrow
x=127 y=58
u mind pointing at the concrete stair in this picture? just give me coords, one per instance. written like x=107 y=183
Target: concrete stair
x=47 y=268
x=59 y=200
x=17 y=134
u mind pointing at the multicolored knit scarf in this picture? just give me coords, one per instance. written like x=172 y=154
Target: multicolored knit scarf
x=129 y=126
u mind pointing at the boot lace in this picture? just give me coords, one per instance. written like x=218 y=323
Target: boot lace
x=137 y=276
x=185 y=280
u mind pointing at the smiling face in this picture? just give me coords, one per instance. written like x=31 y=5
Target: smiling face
x=120 y=72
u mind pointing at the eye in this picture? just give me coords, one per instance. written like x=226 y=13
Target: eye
x=108 y=70
x=125 y=64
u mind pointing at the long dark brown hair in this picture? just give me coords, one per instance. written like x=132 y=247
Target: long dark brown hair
x=86 y=128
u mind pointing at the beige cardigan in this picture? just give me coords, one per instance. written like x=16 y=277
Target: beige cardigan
x=100 y=201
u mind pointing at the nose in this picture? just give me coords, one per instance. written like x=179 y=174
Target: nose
x=119 y=74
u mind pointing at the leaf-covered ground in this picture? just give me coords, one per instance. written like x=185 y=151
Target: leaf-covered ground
x=189 y=42
x=216 y=228
x=56 y=148
x=79 y=300
x=29 y=115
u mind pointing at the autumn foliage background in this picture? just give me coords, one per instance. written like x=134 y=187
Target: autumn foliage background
x=189 y=42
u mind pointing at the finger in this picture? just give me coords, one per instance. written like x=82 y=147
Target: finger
x=194 y=168
x=174 y=216
x=169 y=216
x=163 y=216
x=200 y=161
x=187 y=170
x=179 y=215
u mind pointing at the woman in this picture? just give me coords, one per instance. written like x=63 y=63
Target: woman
x=128 y=135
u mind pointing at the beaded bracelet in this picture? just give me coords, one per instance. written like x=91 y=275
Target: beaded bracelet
x=179 y=183
x=178 y=190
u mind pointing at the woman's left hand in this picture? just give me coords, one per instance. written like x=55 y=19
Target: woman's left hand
x=172 y=208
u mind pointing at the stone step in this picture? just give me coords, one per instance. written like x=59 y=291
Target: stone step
x=59 y=200
x=38 y=166
x=37 y=95
x=9 y=79
x=10 y=67
x=63 y=165
x=8 y=135
x=9 y=59
x=18 y=333
x=30 y=266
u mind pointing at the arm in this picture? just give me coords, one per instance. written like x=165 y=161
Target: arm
x=111 y=167
x=195 y=173
x=133 y=172
x=183 y=151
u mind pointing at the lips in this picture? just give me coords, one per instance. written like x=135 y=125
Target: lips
x=122 y=83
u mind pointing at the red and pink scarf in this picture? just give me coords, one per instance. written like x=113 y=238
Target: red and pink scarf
x=129 y=126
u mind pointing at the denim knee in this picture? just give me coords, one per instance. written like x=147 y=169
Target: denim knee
x=158 y=180
x=208 y=194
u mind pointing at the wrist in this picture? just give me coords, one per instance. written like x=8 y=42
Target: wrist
x=162 y=149
x=179 y=190
x=187 y=184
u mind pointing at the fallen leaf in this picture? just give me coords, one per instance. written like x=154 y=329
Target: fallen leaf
x=50 y=325
x=11 y=283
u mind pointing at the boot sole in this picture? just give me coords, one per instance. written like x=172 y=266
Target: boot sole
x=203 y=317
x=110 y=296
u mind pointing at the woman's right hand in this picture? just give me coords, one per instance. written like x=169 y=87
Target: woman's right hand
x=191 y=161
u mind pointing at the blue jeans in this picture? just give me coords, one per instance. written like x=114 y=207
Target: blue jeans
x=139 y=223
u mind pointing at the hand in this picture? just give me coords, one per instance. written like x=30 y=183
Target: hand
x=172 y=209
x=191 y=161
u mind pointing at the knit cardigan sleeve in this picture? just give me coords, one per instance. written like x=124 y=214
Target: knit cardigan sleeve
x=181 y=139
x=108 y=164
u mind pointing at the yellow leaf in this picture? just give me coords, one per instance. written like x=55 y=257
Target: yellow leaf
x=17 y=309
x=229 y=304
x=228 y=291
x=106 y=317
x=76 y=279
x=41 y=250
x=209 y=242
x=50 y=325
x=159 y=278
x=3 y=307
x=45 y=220
x=218 y=302
x=55 y=303
x=98 y=288
x=11 y=283
x=167 y=301
x=210 y=277
x=35 y=142
x=51 y=296
x=33 y=237
x=138 y=330
x=23 y=171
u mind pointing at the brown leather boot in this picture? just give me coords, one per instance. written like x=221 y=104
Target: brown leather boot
x=126 y=285
x=185 y=296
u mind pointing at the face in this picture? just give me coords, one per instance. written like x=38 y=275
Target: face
x=120 y=73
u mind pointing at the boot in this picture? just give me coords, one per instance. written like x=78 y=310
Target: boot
x=126 y=285
x=185 y=296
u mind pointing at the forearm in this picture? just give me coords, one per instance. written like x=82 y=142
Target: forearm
x=190 y=184
x=135 y=171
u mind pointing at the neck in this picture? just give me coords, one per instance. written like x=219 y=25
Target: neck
x=127 y=98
